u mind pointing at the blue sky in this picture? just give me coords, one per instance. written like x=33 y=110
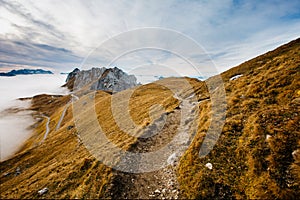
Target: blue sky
x=61 y=34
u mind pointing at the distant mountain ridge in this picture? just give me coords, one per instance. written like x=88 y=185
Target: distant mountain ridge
x=25 y=72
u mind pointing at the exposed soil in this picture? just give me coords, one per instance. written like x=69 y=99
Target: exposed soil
x=144 y=185
x=161 y=183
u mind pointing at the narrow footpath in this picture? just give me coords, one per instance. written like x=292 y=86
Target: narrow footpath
x=162 y=183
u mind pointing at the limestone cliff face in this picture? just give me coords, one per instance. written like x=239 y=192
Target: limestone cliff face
x=107 y=79
x=115 y=80
x=72 y=74
x=87 y=77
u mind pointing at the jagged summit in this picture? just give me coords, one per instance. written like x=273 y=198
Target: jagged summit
x=114 y=79
x=72 y=74
x=107 y=79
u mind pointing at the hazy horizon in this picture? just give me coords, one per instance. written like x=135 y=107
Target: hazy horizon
x=41 y=34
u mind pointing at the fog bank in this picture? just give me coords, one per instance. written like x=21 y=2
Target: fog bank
x=14 y=126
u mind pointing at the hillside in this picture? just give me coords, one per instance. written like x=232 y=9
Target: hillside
x=256 y=156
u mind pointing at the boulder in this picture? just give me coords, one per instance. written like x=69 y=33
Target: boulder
x=115 y=80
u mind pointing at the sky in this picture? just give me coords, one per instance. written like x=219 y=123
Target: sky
x=62 y=35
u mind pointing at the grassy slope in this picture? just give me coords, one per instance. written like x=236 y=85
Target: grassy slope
x=245 y=164
x=61 y=163
x=262 y=102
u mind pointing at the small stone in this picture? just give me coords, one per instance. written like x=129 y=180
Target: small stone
x=170 y=183
x=6 y=174
x=172 y=159
x=236 y=77
x=164 y=190
x=157 y=191
x=43 y=191
x=294 y=153
x=208 y=165
x=18 y=171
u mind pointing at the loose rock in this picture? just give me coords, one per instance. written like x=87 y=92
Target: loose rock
x=43 y=191
x=208 y=165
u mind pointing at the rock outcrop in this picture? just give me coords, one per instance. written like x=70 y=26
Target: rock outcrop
x=72 y=74
x=114 y=79
x=107 y=79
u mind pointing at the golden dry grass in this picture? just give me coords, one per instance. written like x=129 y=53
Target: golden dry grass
x=62 y=163
x=263 y=103
x=245 y=164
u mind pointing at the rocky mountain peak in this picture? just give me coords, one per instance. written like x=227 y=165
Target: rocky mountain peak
x=72 y=74
x=107 y=79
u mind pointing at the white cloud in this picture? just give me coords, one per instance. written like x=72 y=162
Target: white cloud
x=14 y=126
x=231 y=31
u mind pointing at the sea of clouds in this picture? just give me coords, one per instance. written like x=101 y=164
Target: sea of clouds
x=14 y=126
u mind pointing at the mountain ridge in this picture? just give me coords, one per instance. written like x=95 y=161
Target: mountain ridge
x=256 y=156
x=25 y=72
